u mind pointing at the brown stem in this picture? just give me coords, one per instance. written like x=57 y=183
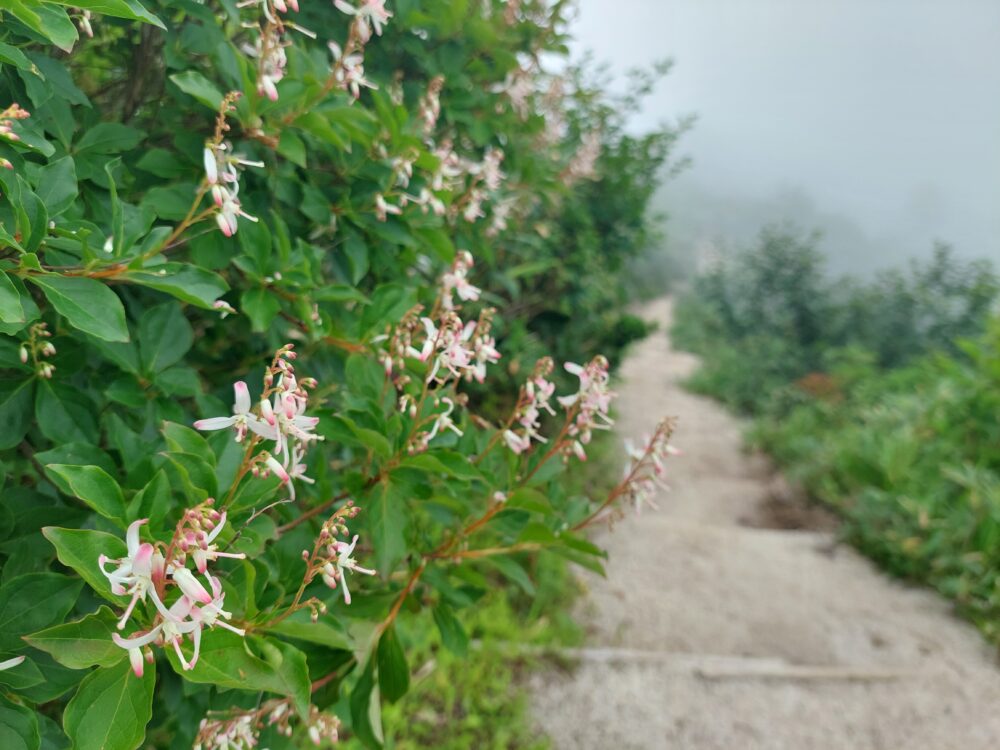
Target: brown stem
x=313 y=512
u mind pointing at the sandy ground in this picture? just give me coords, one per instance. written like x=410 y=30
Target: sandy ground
x=713 y=632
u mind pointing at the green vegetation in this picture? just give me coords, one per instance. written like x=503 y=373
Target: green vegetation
x=287 y=299
x=881 y=399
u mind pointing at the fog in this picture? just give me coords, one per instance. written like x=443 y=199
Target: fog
x=877 y=121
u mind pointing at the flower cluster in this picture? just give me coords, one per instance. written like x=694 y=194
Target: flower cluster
x=644 y=471
x=533 y=400
x=456 y=281
x=583 y=165
x=589 y=405
x=222 y=175
x=268 y=49
x=239 y=729
x=280 y=417
x=7 y=117
x=332 y=558
x=369 y=16
x=347 y=70
x=149 y=571
x=518 y=86
x=450 y=344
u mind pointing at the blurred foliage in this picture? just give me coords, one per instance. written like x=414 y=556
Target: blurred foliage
x=766 y=317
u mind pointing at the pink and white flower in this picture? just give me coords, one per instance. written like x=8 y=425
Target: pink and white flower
x=242 y=419
x=335 y=571
x=370 y=15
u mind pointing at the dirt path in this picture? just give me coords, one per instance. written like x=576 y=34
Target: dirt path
x=711 y=634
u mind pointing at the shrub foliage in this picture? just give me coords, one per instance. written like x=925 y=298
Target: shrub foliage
x=280 y=289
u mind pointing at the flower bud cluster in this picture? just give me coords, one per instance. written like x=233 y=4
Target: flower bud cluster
x=83 y=23
x=644 y=471
x=149 y=571
x=400 y=345
x=589 y=405
x=429 y=108
x=37 y=348
x=322 y=727
x=533 y=400
x=7 y=118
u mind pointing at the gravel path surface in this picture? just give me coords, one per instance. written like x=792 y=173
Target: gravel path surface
x=712 y=631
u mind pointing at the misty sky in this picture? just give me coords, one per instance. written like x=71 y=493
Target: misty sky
x=881 y=116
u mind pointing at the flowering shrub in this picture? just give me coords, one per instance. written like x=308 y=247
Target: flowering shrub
x=283 y=290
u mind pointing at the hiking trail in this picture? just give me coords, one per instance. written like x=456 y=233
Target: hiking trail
x=731 y=619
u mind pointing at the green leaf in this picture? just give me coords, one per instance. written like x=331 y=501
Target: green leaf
x=321 y=633
x=64 y=413
x=11 y=55
x=83 y=643
x=183 y=439
x=110 y=138
x=227 y=661
x=53 y=737
x=117 y=211
x=362 y=708
x=526 y=498
x=445 y=462
x=87 y=304
x=33 y=219
x=79 y=549
x=261 y=306
x=393 y=674
x=93 y=485
x=16 y=399
x=51 y=22
x=388 y=516
x=18 y=727
x=111 y=708
x=57 y=187
x=152 y=501
x=292 y=148
x=194 y=84
x=344 y=429
x=11 y=310
x=165 y=337
x=196 y=475
x=129 y=9
x=34 y=601
x=512 y=570
x=453 y=635
x=24 y=675
x=185 y=282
